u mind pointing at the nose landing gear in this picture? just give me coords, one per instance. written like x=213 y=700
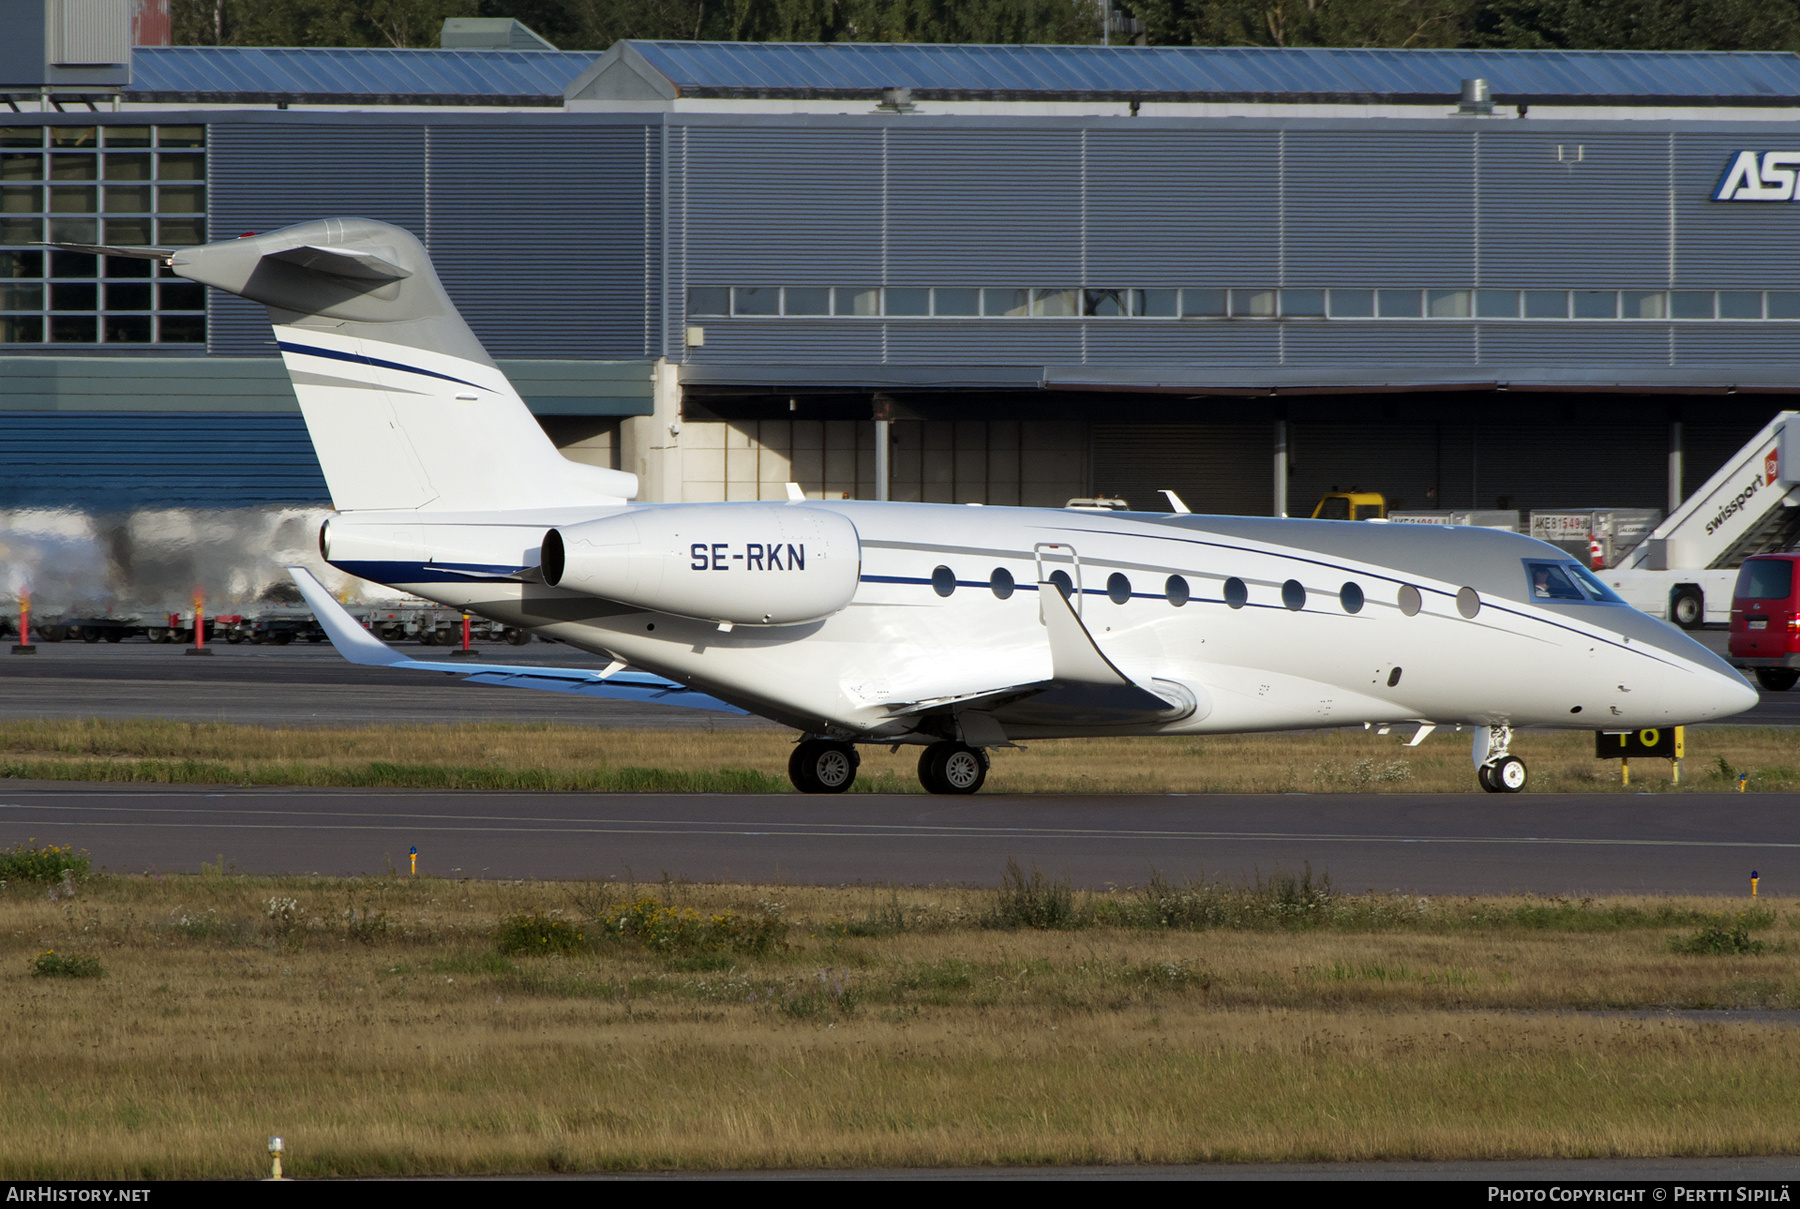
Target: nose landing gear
x=1498 y=771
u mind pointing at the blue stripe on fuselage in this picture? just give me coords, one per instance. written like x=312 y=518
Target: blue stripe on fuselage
x=308 y=350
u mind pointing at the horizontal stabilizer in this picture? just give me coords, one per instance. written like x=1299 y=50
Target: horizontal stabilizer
x=357 y=645
x=134 y=253
x=364 y=264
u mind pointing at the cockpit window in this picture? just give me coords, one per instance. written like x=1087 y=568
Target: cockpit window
x=1566 y=581
x=1594 y=585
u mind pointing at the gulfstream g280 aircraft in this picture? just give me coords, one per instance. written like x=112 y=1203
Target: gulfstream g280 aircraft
x=958 y=629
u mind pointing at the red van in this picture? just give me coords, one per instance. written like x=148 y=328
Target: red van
x=1765 y=620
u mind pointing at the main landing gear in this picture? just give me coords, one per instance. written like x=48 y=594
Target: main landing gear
x=948 y=767
x=829 y=766
x=823 y=766
x=1497 y=771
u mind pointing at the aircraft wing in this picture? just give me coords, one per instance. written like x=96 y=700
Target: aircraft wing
x=357 y=645
x=1085 y=687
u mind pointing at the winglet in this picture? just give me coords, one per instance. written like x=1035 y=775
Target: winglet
x=352 y=641
x=1175 y=504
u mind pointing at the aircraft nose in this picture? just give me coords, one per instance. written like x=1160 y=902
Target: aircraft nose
x=1727 y=693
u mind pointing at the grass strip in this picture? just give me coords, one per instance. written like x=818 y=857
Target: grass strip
x=562 y=757
x=398 y=1025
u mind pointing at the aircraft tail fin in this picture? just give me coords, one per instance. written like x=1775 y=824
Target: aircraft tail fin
x=405 y=408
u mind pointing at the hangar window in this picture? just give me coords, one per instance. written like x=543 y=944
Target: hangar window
x=1784 y=304
x=806 y=300
x=1497 y=304
x=1176 y=589
x=1005 y=304
x=1352 y=304
x=1118 y=588
x=908 y=301
x=1303 y=304
x=1398 y=304
x=1546 y=304
x=1447 y=304
x=709 y=300
x=755 y=300
x=1644 y=304
x=115 y=184
x=1740 y=304
x=956 y=303
x=1203 y=304
x=1253 y=304
x=1691 y=304
x=1105 y=304
x=1054 y=304
x=1604 y=304
x=1156 y=304
x=862 y=301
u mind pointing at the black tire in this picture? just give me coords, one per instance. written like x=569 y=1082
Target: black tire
x=315 y=638
x=1777 y=679
x=1687 y=608
x=953 y=768
x=518 y=637
x=823 y=766
x=86 y=633
x=1508 y=775
x=234 y=638
x=1484 y=774
x=281 y=637
x=115 y=635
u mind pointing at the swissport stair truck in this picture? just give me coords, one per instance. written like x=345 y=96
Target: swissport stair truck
x=1685 y=570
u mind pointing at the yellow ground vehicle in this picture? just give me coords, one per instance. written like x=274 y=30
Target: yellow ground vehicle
x=1351 y=506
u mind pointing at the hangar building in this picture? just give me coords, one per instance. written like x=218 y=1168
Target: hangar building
x=1022 y=274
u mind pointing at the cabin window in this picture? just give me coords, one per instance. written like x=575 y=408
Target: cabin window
x=1351 y=597
x=1118 y=588
x=1468 y=603
x=1176 y=590
x=1063 y=583
x=1409 y=600
x=1566 y=581
x=1001 y=581
x=1236 y=594
x=1293 y=595
x=943 y=581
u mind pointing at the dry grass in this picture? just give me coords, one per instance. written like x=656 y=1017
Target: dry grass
x=377 y=1028
x=562 y=757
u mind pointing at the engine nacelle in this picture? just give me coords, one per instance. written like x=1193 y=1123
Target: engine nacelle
x=747 y=564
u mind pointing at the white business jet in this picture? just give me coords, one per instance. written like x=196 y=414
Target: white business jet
x=957 y=629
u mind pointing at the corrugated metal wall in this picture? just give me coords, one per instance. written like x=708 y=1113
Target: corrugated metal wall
x=544 y=236
x=264 y=177
x=105 y=461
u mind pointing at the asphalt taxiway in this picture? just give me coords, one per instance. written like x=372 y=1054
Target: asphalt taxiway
x=1413 y=843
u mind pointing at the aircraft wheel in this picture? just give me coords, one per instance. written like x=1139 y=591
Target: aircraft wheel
x=1777 y=679
x=1508 y=775
x=823 y=766
x=952 y=768
x=1688 y=608
x=1485 y=774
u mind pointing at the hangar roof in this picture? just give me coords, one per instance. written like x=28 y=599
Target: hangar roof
x=1158 y=73
x=258 y=75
